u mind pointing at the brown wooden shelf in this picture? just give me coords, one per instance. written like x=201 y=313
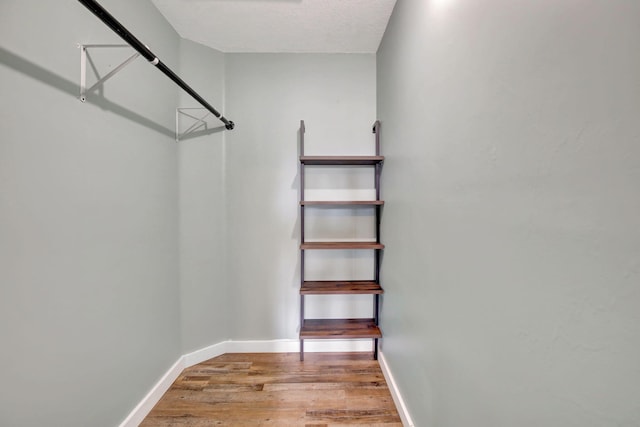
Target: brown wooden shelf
x=341 y=160
x=339 y=328
x=341 y=245
x=341 y=202
x=334 y=287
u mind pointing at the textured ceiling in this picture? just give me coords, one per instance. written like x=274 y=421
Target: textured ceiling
x=332 y=26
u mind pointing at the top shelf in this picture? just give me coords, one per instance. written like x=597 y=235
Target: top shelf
x=341 y=160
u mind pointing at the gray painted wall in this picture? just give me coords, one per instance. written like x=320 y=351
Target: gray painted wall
x=203 y=284
x=113 y=239
x=512 y=221
x=89 y=297
x=267 y=96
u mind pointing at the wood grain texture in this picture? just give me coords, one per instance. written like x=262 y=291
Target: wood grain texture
x=339 y=328
x=341 y=245
x=276 y=389
x=334 y=287
x=341 y=160
x=341 y=203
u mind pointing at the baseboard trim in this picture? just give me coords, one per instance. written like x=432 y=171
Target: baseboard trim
x=149 y=401
x=265 y=346
x=275 y=346
x=395 y=392
x=206 y=353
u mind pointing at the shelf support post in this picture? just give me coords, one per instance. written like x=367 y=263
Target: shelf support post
x=301 y=172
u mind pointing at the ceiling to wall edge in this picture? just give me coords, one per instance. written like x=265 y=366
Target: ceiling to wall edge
x=280 y=26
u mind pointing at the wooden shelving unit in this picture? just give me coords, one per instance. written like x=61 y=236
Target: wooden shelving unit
x=341 y=328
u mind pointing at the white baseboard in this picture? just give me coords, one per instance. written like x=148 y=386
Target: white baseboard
x=149 y=401
x=395 y=392
x=267 y=346
x=275 y=346
x=206 y=353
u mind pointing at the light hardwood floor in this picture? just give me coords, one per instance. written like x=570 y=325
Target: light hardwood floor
x=276 y=389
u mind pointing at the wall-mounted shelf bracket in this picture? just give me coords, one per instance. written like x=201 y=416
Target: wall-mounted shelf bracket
x=192 y=117
x=83 y=67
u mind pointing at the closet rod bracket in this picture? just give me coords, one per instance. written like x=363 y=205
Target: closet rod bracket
x=199 y=121
x=83 y=67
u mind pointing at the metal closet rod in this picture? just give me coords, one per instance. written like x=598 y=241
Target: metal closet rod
x=126 y=35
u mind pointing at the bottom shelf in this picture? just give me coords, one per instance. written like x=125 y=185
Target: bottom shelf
x=339 y=328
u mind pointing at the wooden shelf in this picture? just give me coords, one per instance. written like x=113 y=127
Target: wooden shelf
x=341 y=202
x=339 y=328
x=341 y=160
x=333 y=287
x=341 y=245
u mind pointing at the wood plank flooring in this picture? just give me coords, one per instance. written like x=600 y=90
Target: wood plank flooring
x=276 y=389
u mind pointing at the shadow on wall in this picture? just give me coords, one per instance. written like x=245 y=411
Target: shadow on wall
x=37 y=72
